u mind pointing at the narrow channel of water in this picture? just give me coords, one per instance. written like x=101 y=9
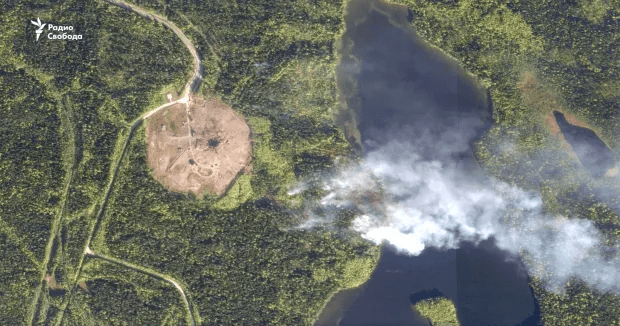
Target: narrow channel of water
x=411 y=92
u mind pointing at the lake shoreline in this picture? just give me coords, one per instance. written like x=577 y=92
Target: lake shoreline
x=350 y=117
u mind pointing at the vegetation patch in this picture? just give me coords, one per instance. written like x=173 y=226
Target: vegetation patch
x=439 y=311
x=115 y=295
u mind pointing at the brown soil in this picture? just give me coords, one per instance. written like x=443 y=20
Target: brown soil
x=83 y=286
x=538 y=98
x=198 y=146
x=535 y=96
x=51 y=282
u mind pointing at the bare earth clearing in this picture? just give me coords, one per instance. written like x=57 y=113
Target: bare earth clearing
x=537 y=97
x=197 y=146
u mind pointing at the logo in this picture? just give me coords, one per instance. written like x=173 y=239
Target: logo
x=40 y=30
x=55 y=28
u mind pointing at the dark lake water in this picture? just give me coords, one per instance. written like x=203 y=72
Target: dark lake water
x=592 y=152
x=410 y=92
x=386 y=297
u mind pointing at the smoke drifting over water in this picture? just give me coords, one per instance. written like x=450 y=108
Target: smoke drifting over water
x=419 y=187
x=414 y=203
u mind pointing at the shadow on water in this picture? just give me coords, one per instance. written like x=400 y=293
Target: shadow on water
x=592 y=152
x=410 y=92
x=332 y=313
x=405 y=87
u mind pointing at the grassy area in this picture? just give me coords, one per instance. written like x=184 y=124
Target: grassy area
x=275 y=64
x=32 y=178
x=114 y=295
x=243 y=245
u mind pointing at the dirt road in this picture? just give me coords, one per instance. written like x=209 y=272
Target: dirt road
x=191 y=86
x=196 y=77
x=148 y=272
x=197 y=65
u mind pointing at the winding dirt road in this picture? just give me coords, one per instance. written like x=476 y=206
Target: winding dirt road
x=155 y=17
x=191 y=86
x=148 y=272
x=195 y=79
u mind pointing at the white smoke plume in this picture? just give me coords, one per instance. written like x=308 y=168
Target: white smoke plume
x=414 y=204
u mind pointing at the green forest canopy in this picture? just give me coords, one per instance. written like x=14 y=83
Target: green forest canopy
x=66 y=108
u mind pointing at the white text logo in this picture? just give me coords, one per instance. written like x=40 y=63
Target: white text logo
x=56 y=28
x=38 y=23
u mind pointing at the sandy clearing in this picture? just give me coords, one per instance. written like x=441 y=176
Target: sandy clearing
x=198 y=147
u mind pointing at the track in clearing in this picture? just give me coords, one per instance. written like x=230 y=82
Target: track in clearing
x=191 y=86
x=149 y=272
x=33 y=310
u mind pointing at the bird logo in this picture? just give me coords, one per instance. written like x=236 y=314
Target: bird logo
x=40 y=30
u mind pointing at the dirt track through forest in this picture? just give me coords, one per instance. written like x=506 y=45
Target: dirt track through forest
x=185 y=99
x=148 y=272
x=33 y=310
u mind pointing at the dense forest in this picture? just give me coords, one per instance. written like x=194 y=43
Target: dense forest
x=68 y=108
x=439 y=311
x=64 y=106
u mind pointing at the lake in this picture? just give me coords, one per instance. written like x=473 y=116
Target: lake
x=408 y=91
x=592 y=152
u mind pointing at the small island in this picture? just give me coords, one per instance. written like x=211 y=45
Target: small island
x=439 y=311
